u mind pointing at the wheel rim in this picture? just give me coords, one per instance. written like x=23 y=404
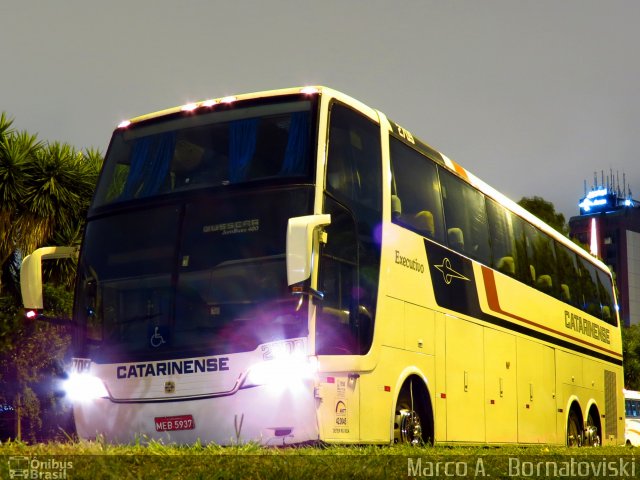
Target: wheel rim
x=591 y=433
x=408 y=428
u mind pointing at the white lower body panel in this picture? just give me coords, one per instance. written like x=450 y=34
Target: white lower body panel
x=263 y=414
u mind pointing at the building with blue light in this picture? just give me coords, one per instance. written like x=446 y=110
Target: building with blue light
x=609 y=223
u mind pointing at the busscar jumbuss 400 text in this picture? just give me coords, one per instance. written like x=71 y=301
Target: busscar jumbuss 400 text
x=291 y=266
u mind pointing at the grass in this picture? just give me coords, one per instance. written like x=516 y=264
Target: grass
x=153 y=460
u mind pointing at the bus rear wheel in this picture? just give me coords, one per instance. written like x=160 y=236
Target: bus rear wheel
x=591 y=434
x=574 y=430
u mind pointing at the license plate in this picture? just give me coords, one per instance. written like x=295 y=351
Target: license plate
x=178 y=422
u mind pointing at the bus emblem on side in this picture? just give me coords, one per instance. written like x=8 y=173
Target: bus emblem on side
x=449 y=273
x=169 y=387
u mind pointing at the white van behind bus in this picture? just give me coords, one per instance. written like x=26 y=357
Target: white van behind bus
x=632 y=418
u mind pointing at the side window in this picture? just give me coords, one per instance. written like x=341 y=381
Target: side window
x=416 y=202
x=465 y=218
x=523 y=268
x=350 y=260
x=590 y=301
x=605 y=292
x=336 y=323
x=504 y=256
x=568 y=275
x=542 y=262
x=353 y=169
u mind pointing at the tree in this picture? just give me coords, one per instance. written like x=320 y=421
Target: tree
x=17 y=151
x=30 y=357
x=631 y=356
x=546 y=212
x=45 y=190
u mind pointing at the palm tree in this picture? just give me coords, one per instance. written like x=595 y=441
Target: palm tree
x=17 y=150
x=45 y=190
x=65 y=181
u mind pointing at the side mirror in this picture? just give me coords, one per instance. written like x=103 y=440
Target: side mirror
x=300 y=231
x=31 y=275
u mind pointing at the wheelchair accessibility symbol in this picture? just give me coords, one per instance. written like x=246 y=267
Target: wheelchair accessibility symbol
x=156 y=339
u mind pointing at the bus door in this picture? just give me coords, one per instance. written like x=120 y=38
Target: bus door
x=349 y=264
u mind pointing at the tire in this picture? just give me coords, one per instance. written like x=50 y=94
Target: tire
x=574 y=430
x=411 y=422
x=592 y=433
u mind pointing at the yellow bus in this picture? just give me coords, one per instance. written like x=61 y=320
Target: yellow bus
x=292 y=266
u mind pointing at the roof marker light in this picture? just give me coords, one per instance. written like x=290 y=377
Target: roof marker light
x=189 y=107
x=209 y=103
x=309 y=90
x=229 y=99
x=124 y=124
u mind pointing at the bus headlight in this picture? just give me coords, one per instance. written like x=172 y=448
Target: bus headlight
x=285 y=372
x=81 y=387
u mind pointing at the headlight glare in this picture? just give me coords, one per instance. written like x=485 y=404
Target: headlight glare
x=84 y=387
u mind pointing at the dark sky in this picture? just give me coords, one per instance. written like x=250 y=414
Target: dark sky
x=531 y=96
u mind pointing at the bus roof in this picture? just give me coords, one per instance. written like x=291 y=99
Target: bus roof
x=631 y=394
x=309 y=90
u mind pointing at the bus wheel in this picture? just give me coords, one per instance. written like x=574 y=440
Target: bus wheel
x=591 y=436
x=574 y=432
x=411 y=415
x=408 y=428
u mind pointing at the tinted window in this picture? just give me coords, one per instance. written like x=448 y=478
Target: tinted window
x=350 y=260
x=207 y=280
x=568 y=275
x=416 y=200
x=632 y=408
x=503 y=243
x=605 y=292
x=465 y=218
x=523 y=271
x=353 y=169
x=542 y=263
x=590 y=301
x=229 y=145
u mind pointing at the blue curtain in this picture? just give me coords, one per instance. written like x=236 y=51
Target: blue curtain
x=243 y=135
x=150 y=160
x=156 y=173
x=295 y=156
x=138 y=159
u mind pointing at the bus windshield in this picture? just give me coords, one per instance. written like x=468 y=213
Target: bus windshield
x=184 y=250
x=183 y=280
x=227 y=146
